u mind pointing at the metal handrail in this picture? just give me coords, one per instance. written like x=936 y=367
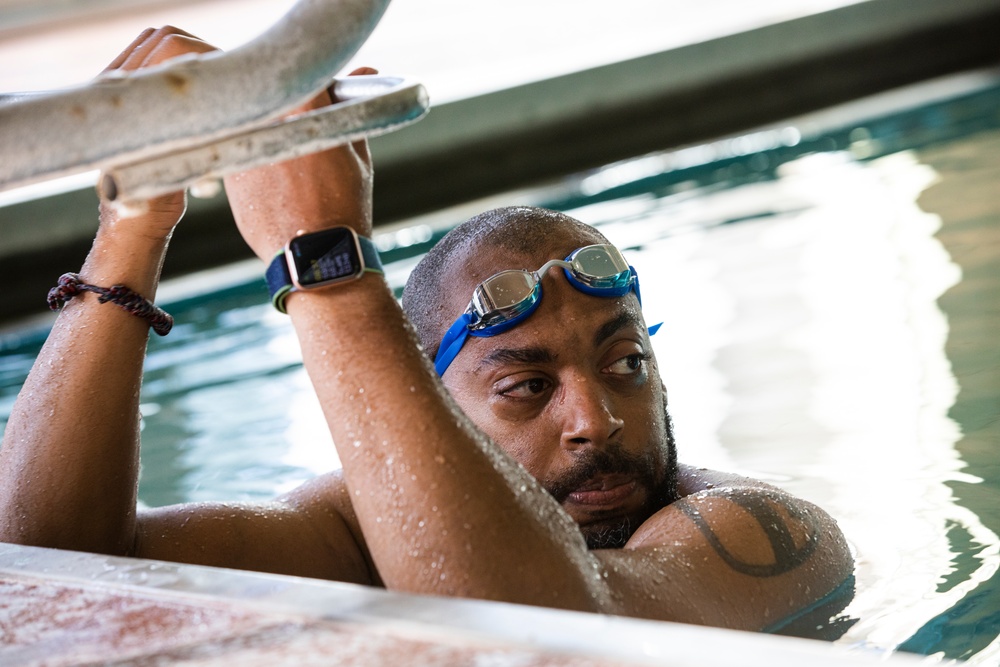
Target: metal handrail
x=370 y=106
x=201 y=100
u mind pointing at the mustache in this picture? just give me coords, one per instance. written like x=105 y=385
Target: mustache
x=593 y=462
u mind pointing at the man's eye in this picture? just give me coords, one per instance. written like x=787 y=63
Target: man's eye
x=628 y=365
x=526 y=389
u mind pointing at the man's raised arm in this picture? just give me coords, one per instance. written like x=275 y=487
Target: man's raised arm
x=69 y=463
x=70 y=456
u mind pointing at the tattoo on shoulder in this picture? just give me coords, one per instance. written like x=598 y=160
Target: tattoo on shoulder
x=773 y=514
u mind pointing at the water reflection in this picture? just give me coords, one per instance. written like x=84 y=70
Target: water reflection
x=965 y=198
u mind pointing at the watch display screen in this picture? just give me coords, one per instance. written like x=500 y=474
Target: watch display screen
x=324 y=257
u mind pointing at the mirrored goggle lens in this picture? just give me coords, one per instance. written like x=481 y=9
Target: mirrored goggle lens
x=601 y=267
x=503 y=297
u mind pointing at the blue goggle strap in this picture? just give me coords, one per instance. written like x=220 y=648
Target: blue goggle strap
x=635 y=285
x=452 y=342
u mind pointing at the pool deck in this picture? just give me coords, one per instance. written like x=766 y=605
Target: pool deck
x=69 y=608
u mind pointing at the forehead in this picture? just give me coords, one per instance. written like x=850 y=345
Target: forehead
x=480 y=259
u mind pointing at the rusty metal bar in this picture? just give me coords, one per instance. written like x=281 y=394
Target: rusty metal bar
x=190 y=101
x=371 y=105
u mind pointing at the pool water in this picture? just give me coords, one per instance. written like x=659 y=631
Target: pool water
x=831 y=301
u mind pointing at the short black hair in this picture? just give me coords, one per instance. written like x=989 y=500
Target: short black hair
x=519 y=229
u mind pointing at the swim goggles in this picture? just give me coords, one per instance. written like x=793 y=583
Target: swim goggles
x=506 y=298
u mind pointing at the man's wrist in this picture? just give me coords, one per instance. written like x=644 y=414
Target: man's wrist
x=118 y=256
x=317 y=260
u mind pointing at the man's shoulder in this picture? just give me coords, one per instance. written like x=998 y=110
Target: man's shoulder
x=748 y=541
x=756 y=531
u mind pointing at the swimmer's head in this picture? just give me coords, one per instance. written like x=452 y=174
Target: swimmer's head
x=572 y=392
x=439 y=288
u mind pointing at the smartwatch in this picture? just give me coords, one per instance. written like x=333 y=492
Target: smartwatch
x=320 y=259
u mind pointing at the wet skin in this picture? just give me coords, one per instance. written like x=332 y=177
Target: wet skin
x=568 y=394
x=574 y=395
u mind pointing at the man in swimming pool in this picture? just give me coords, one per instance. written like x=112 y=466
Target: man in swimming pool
x=539 y=467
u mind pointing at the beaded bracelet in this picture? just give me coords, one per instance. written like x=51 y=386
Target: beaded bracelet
x=70 y=286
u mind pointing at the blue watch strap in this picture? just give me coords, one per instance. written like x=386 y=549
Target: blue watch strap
x=369 y=253
x=279 y=278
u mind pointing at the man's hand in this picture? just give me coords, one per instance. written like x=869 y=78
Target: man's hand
x=274 y=203
x=153 y=47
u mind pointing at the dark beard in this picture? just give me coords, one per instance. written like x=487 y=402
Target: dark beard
x=615 y=532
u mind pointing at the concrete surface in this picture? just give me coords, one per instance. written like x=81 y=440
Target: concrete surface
x=69 y=608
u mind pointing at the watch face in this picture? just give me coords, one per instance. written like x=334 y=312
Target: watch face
x=324 y=257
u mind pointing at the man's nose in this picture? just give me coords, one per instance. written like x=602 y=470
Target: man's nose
x=589 y=414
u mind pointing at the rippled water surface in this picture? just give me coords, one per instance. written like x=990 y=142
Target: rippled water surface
x=831 y=305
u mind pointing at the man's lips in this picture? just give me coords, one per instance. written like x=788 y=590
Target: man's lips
x=604 y=490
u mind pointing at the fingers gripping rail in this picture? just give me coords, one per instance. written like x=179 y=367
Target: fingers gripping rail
x=160 y=129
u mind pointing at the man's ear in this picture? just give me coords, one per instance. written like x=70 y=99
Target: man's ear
x=663 y=386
